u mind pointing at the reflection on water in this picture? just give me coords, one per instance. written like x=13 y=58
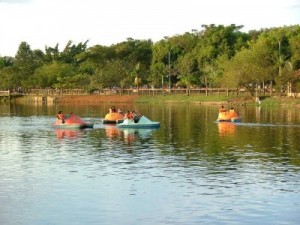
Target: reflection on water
x=226 y=128
x=112 y=131
x=68 y=133
x=191 y=170
x=128 y=135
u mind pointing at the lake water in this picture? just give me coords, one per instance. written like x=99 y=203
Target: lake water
x=191 y=170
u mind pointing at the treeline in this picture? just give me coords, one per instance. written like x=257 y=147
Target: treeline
x=216 y=56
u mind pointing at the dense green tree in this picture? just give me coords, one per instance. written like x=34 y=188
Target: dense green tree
x=52 y=75
x=294 y=42
x=52 y=54
x=133 y=52
x=187 y=68
x=6 y=71
x=249 y=68
x=165 y=57
x=217 y=42
x=157 y=74
x=24 y=65
x=110 y=75
x=284 y=59
x=216 y=56
x=158 y=63
x=71 y=53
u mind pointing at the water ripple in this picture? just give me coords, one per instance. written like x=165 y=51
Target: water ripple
x=110 y=176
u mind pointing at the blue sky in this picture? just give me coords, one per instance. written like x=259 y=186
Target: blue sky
x=47 y=22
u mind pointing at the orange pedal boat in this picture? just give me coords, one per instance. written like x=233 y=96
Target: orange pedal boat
x=228 y=116
x=113 y=118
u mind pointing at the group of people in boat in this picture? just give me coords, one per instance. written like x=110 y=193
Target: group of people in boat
x=228 y=115
x=222 y=109
x=131 y=115
x=61 y=116
x=114 y=110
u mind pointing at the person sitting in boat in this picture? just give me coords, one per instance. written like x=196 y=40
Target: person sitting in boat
x=232 y=110
x=222 y=109
x=136 y=116
x=113 y=109
x=61 y=116
x=128 y=115
x=120 y=112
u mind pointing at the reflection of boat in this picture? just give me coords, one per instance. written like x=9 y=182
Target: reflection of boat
x=129 y=134
x=72 y=122
x=143 y=122
x=226 y=128
x=228 y=116
x=142 y=133
x=112 y=131
x=132 y=134
x=113 y=118
x=64 y=133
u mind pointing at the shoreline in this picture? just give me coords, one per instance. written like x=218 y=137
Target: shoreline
x=158 y=99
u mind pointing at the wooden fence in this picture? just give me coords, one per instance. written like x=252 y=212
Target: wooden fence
x=135 y=91
x=4 y=93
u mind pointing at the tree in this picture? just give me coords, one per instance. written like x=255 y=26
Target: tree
x=249 y=68
x=217 y=42
x=133 y=52
x=53 y=75
x=187 y=68
x=158 y=65
x=71 y=53
x=24 y=65
x=294 y=42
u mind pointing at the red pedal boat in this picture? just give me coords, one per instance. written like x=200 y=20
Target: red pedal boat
x=72 y=122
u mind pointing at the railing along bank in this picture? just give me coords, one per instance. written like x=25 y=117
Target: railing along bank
x=143 y=91
x=135 y=91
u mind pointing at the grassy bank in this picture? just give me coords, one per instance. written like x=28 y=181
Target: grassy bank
x=181 y=98
x=284 y=101
x=221 y=99
x=178 y=98
x=197 y=99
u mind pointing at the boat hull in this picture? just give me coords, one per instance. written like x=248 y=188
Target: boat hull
x=74 y=126
x=142 y=126
x=72 y=123
x=113 y=118
x=104 y=121
x=229 y=116
x=142 y=123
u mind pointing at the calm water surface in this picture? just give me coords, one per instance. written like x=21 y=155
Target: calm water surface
x=191 y=170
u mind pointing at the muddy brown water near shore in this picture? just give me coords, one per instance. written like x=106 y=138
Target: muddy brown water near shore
x=97 y=99
x=80 y=99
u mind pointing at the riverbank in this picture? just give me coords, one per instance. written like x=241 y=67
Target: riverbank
x=99 y=99
x=158 y=99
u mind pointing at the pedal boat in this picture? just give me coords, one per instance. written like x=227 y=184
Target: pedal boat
x=143 y=122
x=113 y=118
x=228 y=116
x=73 y=122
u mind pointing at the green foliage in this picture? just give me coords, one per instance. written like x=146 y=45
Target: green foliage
x=52 y=75
x=187 y=68
x=216 y=56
